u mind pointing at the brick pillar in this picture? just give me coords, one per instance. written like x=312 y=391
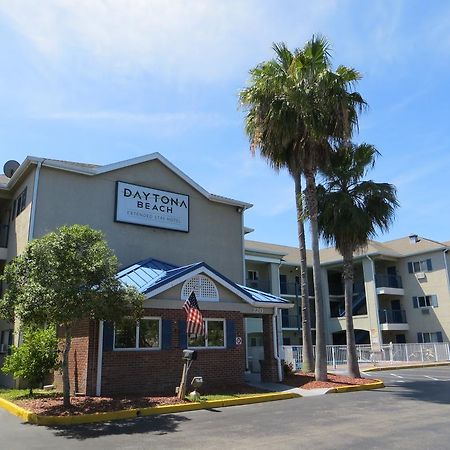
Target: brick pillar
x=269 y=371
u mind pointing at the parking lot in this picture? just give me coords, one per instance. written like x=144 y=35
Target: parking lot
x=411 y=412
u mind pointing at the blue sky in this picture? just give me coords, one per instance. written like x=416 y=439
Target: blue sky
x=104 y=80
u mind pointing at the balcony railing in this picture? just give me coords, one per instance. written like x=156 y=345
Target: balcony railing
x=4 y=229
x=293 y=288
x=385 y=280
x=260 y=285
x=392 y=316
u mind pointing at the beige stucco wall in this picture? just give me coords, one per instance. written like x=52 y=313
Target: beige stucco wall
x=19 y=226
x=215 y=234
x=435 y=283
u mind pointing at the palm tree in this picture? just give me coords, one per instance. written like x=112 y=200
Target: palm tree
x=270 y=125
x=297 y=107
x=350 y=212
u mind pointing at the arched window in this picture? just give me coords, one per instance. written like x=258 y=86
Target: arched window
x=204 y=289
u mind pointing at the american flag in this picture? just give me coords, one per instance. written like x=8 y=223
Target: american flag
x=194 y=316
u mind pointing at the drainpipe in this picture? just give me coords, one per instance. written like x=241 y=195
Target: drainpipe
x=275 y=343
x=98 y=384
x=377 y=312
x=33 y=200
x=446 y=267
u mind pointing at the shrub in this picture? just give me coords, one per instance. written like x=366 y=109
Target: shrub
x=288 y=368
x=35 y=357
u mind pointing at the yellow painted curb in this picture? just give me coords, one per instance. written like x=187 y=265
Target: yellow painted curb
x=15 y=410
x=377 y=384
x=38 y=419
x=407 y=366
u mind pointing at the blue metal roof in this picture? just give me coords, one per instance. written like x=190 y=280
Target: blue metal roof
x=151 y=274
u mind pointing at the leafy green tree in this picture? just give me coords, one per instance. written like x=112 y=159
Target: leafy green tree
x=351 y=211
x=66 y=276
x=35 y=358
x=297 y=107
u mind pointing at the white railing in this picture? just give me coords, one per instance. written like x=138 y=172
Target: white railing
x=389 y=353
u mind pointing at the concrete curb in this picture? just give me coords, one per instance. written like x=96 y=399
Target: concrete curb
x=37 y=419
x=407 y=366
x=377 y=384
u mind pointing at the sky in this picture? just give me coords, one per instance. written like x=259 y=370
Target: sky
x=100 y=81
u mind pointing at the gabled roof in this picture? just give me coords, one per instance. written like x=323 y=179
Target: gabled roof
x=152 y=277
x=93 y=169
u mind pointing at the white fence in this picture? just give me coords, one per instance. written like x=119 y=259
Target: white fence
x=389 y=353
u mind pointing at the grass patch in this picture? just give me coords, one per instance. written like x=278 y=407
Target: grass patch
x=24 y=394
x=212 y=397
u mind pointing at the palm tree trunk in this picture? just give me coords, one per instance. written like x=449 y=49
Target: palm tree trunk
x=321 y=349
x=65 y=366
x=352 y=359
x=308 y=358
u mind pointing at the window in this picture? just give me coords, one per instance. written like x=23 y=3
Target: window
x=214 y=335
x=420 y=266
x=425 y=301
x=204 y=289
x=141 y=335
x=429 y=337
x=20 y=202
x=252 y=275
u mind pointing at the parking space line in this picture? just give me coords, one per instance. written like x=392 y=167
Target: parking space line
x=432 y=378
x=395 y=375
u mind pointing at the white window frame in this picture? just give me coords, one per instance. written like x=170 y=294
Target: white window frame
x=137 y=327
x=423 y=266
x=206 y=347
x=254 y=277
x=428 y=300
x=430 y=334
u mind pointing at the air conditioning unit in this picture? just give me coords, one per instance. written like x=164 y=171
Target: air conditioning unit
x=3 y=348
x=421 y=276
x=425 y=311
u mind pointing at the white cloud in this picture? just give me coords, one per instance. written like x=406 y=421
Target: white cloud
x=202 y=40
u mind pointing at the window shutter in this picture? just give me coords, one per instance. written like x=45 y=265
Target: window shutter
x=182 y=330
x=420 y=338
x=434 y=301
x=415 y=302
x=439 y=336
x=231 y=333
x=410 y=267
x=429 y=266
x=108 y=336
x=166 y=338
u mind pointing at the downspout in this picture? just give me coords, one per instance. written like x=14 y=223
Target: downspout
x=275 y=344
x=34 y=199
x=377 y=311
x=98 y=384
x=446 y=267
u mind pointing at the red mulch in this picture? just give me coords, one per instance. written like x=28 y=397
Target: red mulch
x=53 y=405
x=307 y=381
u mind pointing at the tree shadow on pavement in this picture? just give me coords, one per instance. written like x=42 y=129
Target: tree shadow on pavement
x=158 y=425
x=426 y=391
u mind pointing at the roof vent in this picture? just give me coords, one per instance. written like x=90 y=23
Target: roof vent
x=10 y=167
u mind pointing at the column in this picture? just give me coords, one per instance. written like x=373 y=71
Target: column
x=269 y=364
x=376 y=338
x=274 y=274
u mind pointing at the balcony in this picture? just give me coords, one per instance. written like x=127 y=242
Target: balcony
x=393 y=320
x=389 y=284
x=293 y=288
x=260 y=285
x=4 y=231
x=291 y=321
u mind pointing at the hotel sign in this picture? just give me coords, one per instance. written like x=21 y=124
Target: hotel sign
x=150 y=207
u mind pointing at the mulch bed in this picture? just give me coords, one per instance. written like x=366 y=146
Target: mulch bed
x=53 y=405
x=307 y=381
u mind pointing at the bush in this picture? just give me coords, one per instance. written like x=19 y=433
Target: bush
x=35 y=357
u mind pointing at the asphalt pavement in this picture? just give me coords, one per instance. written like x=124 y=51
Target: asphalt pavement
x=412 y=412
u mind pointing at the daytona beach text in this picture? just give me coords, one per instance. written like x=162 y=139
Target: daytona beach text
x=161 y=203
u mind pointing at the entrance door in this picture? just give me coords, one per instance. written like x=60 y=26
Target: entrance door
x=400 y=339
